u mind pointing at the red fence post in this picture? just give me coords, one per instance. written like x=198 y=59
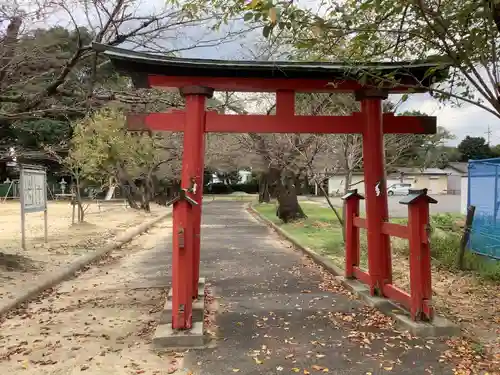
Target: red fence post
x=379 y=251
x=351 y=199
x=195 y=124
x=420 y=257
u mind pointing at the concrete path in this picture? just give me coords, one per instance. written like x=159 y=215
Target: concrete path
x=278 y=315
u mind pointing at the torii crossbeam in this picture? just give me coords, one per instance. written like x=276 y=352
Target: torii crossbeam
x=197 y=79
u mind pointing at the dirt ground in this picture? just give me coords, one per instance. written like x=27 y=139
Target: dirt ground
x=466 y=300
x=96 y=323
x=21 y=268
x=472 y=303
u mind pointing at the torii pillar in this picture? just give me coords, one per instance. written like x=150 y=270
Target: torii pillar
x=187 y=217
x=379 y=250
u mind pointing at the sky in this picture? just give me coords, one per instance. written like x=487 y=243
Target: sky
x=462 y=121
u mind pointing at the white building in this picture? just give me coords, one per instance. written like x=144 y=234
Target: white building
x=433 y=179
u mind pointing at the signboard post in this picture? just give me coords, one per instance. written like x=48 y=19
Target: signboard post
x=33 y=184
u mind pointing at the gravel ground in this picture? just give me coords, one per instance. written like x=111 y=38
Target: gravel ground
x=100 y=322
x=20 y=268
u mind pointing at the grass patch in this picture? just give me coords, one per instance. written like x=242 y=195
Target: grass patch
x=321 y=230
x=445 y=242
x=444 y=248
x=322 y=233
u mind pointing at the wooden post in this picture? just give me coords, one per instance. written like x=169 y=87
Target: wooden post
x=465 y=236
x=420 y=255
x=351 y=204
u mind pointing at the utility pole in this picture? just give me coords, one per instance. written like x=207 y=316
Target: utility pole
x=488 y=133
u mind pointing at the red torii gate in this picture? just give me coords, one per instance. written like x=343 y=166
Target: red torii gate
x=197 y=79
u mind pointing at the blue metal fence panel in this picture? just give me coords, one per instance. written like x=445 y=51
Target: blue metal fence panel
x=484 y=193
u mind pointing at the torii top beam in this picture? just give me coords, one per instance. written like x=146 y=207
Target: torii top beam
x=152 y=70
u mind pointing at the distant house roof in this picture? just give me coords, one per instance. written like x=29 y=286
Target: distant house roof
x=425 y=171
x=396 y=172
x=462 y=168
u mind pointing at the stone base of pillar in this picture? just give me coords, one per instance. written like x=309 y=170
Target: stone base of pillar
x=167 y=338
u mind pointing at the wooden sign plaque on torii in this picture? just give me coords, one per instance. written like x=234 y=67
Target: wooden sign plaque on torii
x=197 y=79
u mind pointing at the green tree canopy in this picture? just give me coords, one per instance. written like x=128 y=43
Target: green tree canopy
x=474 y=148
x=463 y=35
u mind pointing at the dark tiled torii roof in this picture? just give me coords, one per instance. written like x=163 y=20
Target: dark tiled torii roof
x=133 y=62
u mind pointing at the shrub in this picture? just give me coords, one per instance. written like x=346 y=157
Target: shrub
x=218 y=188
x=249 y=187
x=444 y=248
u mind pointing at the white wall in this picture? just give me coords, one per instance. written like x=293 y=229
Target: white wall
x=406 y=180
x=336 y=184
x=464 y=189
x=454 y=183
x=245 y=176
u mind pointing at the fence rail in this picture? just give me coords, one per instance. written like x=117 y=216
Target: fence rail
x=484 y=194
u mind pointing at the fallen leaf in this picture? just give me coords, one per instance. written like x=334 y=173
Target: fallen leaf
x=258 y=361
x=388 y=368
x=320 y=355
x=236 y=370
x=279 y=368
x=325 y=369
x=295 y=369
x=317 y=368
x=306 y=372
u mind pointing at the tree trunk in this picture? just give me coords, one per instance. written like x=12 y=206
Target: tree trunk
x=145 y=197
x=264 y=196
x=125 y=180
x=288 y=205
x=306 y=187
x=79 y=203
x=129 y=197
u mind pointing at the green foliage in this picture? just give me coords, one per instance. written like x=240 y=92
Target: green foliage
x=35 y=134
x=102 y=147
x=218 y=188
x=39 y=58
x=463 y=35
x=446 y=221
x=41 y=54
x=474 y=148
x=444 y=248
